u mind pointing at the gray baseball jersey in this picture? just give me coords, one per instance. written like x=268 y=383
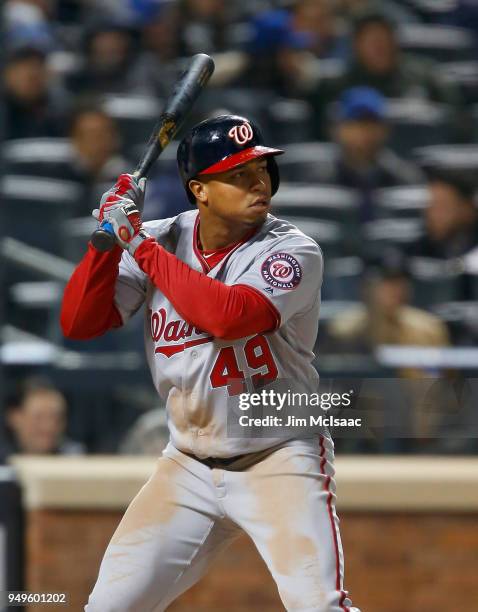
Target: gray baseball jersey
x=201 y=377
x=283 y=493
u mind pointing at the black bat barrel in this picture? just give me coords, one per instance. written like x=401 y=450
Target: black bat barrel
x=187 y=89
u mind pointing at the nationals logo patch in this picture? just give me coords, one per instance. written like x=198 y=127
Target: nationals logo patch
x=282 y=271
x=241 y=133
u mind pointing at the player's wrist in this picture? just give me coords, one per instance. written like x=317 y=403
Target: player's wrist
x=134 y=246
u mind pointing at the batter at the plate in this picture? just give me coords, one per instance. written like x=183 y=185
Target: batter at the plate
x=231 y=298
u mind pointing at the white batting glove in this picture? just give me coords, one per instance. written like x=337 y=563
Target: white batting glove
x=119 y=207
x=125 y=187
x=125 y=219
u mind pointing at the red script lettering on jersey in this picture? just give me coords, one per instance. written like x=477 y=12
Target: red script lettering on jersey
x=173 y=331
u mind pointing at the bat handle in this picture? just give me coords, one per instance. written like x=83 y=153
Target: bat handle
x=103 y=239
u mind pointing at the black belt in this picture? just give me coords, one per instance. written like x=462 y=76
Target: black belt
x=216 y=462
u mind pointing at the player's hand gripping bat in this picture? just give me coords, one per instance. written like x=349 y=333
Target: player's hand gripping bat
x=185 y=92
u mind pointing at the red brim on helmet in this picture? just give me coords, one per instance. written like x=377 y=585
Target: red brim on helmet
x=242 y=157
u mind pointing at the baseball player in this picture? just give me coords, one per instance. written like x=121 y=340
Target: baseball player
x=231 y=295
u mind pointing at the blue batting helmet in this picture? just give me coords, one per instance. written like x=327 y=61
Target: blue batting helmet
x=221 y=143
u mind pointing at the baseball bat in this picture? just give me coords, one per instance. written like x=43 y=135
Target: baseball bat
x=185 y=92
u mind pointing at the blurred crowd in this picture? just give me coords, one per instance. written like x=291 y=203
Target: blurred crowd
x=35 y=421
x=375 y=103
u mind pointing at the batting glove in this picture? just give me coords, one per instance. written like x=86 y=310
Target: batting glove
x=119 y=208
x=125 y=187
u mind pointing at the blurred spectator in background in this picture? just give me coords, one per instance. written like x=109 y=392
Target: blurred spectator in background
x=148 y=436
x=33 y=107
x=286 y=44
x=109 y=52
x=386 y=317
x=377 y=62
x=204 y=26
x=451 y=218
x=27 y=22
x=155 y=69
x=96 y=152
x=451 y=227
x=364 y=162
x=317 y=19
x=35 y=421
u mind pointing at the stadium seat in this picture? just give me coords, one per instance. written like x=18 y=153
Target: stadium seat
x=33 y=284
x=37 y=156
x=342 y=279
x=416 y=121
x=135 y=115
x=320 y=201
x=463 y=158
x=463 y=75
x=36 y=306
x=383 y=233
x=327 y=234
x=458 y=311
x=474 y=113
x=431 y=9
x=434 y=281
x=330 y=309
x=35 y=208
x=40 y=294
x=441 y=43
x=253 y=104
x=62 y=63
x=461 y=319
x=475 y=287
x=329 y=71
x=77 y=232
x=401 y=202
x=289 y=121
x=21 y=348
x=307 y=161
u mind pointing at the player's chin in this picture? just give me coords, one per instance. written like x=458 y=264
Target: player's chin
x=257 y=213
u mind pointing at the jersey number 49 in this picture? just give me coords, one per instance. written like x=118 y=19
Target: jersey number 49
x=258 y=355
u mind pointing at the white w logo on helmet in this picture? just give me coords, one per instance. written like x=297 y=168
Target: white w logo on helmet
x=241 y=133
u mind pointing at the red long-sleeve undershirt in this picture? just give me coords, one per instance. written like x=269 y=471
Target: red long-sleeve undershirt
x=88 y=309
x=227 y=312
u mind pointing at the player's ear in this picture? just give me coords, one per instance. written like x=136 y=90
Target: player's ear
x=199 y=190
